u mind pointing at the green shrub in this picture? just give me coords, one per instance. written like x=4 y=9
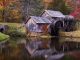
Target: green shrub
x=16 y=34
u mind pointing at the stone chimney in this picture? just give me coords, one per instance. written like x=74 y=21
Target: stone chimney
x=48 y=4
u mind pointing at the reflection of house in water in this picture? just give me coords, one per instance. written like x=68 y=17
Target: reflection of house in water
x=40 y=47
x=37 y=25
x=37 y=46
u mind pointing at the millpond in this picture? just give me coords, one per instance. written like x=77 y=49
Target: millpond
x=39 y=48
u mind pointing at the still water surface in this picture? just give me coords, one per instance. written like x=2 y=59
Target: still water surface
x=15 y=49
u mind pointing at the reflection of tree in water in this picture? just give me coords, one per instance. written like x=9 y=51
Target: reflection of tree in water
x=55 y=42
x=16 y=51
x=13 y=53
x=55 y=33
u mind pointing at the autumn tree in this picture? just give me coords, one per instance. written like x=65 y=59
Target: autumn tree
x=61 y=6
x=57 y=5
x=1 y=10
x=18 y=10
x=31 y=7
x=10 y=11
x=13 y=12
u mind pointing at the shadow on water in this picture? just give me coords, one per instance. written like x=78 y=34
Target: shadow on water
x=55 y=42
x=55 y=32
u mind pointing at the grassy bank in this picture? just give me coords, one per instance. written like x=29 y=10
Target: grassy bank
x=14 y=26
x=15 y=30
x=75 y=34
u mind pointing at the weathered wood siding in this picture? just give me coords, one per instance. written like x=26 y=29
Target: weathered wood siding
x=35 y=29
x=44 y=28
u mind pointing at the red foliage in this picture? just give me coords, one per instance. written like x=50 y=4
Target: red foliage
x=75 y=12
x=76 y=7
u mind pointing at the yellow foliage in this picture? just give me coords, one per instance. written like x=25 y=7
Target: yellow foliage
x=16 y=14
x=1 y=0
x=11 y=14
x=1 y=8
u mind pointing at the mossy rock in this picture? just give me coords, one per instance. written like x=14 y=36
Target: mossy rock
x=3 y=37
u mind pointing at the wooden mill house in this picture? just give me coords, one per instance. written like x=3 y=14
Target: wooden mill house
x=54 y=16
x=37 y=25
x=67 y=21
